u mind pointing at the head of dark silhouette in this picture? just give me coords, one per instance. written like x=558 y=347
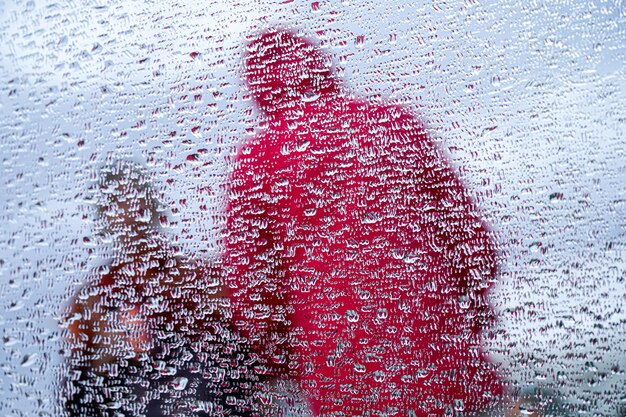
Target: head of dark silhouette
x=283 y=70
x=127 y=204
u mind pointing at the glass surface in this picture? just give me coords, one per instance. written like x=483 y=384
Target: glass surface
x=525 y=99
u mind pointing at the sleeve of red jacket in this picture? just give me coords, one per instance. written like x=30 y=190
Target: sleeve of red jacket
x=459 y=232
x=467 y=250
x=254 y=265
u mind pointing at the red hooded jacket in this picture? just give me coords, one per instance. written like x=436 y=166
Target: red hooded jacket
x=357 y=262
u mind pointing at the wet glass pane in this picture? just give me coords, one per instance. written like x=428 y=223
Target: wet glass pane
x=312 y=208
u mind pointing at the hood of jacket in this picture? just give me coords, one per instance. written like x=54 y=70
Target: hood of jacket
x=283 y=71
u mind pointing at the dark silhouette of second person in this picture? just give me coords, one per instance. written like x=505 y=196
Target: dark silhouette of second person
x=356 y=260
x=149 y=334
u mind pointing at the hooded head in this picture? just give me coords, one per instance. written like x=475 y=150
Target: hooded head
x=282 y=70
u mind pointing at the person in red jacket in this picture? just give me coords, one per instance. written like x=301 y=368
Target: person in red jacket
x=356 y=260
x=148 y=335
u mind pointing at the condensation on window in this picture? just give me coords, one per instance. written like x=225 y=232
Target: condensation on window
x=525 y=100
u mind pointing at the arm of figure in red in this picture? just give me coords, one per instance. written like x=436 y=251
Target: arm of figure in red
x=460 y=234
x=254 y=267
x=466 y=240
x=456 y=231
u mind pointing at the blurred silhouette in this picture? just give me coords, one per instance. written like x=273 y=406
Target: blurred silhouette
x=148 y=334
x=357 y=263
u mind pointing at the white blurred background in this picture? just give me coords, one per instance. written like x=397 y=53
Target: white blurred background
x=528 y=97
